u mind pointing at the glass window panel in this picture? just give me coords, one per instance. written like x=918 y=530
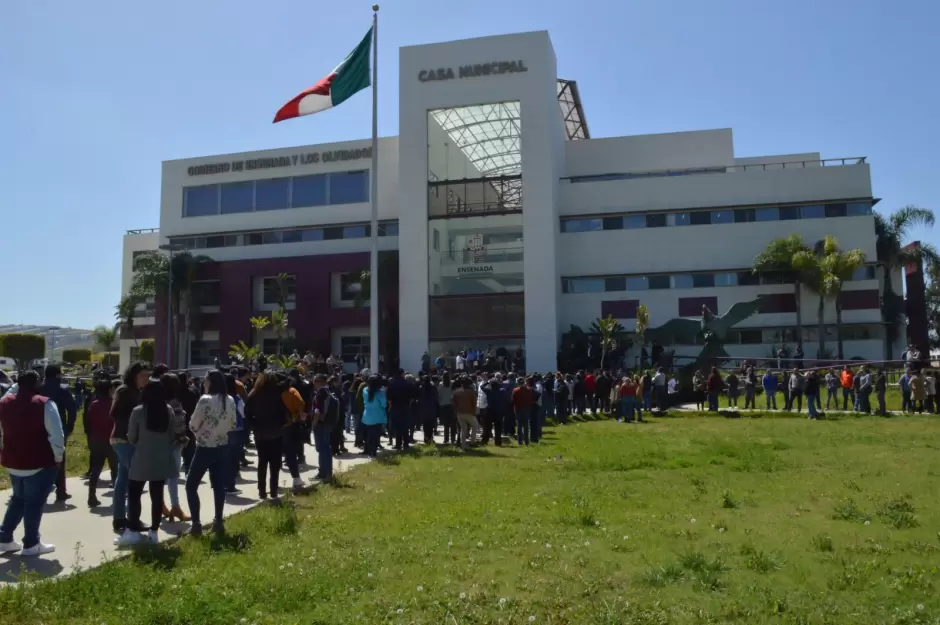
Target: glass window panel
x=586 y=285
x=215 y=241
x=683 y=281
x=349 y=187
x=637 y=283
x=656 y=221
x=726 y=279
x=292 y=236
x=355 y=232
x=856 y=209
x=238 y=197
x=744 y=215
x=634 y=221
x=613 y=223
x=615 y=284
x=774 y=277
x=722 y=217
x=836 y=210
x=658 y=282
x=814 y=211
x=703 y=280
x=332 y=234
x=201 y=201
x=748 y=278
x=272 y=194
x=864 y=273
x=771 y=213
x=700 y=218
x=312 y=234
x=274 y=236
x=308 y=191
x=682 y=219
x=581 y=225
x=789 y=213
x=254 y=238
x=391 y=230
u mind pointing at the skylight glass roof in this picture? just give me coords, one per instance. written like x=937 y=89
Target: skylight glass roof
x=488 y=135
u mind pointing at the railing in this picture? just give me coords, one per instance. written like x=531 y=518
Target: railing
x=664 y=173
x=495 y=255
x=144 y=231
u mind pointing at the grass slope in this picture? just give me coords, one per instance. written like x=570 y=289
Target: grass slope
x=689 y=520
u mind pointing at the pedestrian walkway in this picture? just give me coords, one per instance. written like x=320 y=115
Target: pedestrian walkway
x=84 y=538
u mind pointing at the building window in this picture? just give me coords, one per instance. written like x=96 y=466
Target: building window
x=354 y=347
x=658 y=282
x=857 y=209
x=814 y=211
x=272 y=194
x=620 y=309
x=312 y=234
x=389 y=229
x=657 y=220
x=632 y=222
x=207 y=293
x=777 y=303
x=135 y=354
x=746 y=337
x=745 y=215
x=585 y=285
x=864 y=273
x=703 y=280
x=789 y=213
x=221 y=240
x=836 y=210
x=307 y=191
x=615 y=284
x=723 y=217
x=292 y=236
x=238 y=197
x=581 y=225
x=350 y=286
x=613 y=223
x=201 y=201
x=147 y=309
x=726 y=279
x=748 y=278
x=272 y=291
x=355 y=232
x=700 y=218
x=775 y=277
x=332 y=234
x=692 y=306
x=860 y=300
x=202 y=353
x=683 y=281
x=682 y=219
x=637 y=283
x=770 y=213
x=349 y=187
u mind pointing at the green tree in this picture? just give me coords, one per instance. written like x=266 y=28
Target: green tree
x=839 y=267
x=642 y=323
x=125 y=313
x=279 y=325
x=892 y=232
x=76 y=354
x=147 y=351
x=258 y=324
x=815 y=278
x=22 y=348
x=152 y=279
x=779 y=256
x=243 y=352
x=609 y=329
x=104 y=337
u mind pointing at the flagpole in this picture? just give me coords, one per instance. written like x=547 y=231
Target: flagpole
x=374 y=177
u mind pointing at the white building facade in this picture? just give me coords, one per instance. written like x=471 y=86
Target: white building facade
x=511 y=224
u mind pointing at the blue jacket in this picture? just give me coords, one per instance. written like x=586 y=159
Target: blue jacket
x=64 y=402
x=374 y=410
x=769 y=382
x=905 y=383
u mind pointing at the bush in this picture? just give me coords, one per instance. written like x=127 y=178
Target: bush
x=23 y=348
x=76 y=355
x=108 y=359
x=147 y=350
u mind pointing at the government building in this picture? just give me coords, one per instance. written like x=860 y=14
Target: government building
x=503 y=222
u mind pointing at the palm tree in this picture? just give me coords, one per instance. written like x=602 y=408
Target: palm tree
x=779 y=257
x=809 y=265
x=891 y=232
x=246 y=354
x=258 y=324
x=608 y=329
x=104 y=337
x=152 y=279
x=840 y=267
x=125 y=312
x=279 y=325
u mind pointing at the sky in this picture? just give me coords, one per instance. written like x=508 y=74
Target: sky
x=95 y=94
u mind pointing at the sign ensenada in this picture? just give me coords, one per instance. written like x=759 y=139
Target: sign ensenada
x=291 y=160
x=472 y=71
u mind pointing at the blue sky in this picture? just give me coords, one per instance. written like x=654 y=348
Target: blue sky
x=97 y=93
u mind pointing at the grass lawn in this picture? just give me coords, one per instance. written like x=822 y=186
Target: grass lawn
x=680 y=520
x=76 y=454
x=892 y=400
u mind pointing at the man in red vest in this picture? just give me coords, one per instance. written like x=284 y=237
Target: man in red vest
x=33 y=448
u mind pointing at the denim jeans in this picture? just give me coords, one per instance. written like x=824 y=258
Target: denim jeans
x=125 y=453
x=811 y=405
x=236 y=446
x=847 y=396
x=771 y=399
x=215 y=460
x=628 y=403
x=522 y=426
x=535 y=424
x=289 y=438
x=29 y=496
x=713 y=401
x=173 y=483
x=832 y=398
x=648 y=400
x=881 y=402
x=321 y=439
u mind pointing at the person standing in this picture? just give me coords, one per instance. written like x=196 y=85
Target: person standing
x=601 y=391
x=659 y=389
x=847 y=380
x=714 y=386
x=930 y=383
x=881 y=387
x=126 y=399
x=374 y=415
x=445 y=396
x=769 y=383
x=427 y=408
x=750 y=389
x=798 y=356
x=833 y=382
x=561 y=399
x=68 y=411
x=399 y=395
x=522 y=408
x=211 y=422
x=698 y=389
x=590 y=387
x=811 y=389
x=918 y=392
x=732 y=382
x=465 y=403
x=33 y=448
x=236 y=438
x=98 y=427
x=864 y=390
x=327 y=416
x=154 y=430
x=628 y=394
x=266 y=415
x=795 y=385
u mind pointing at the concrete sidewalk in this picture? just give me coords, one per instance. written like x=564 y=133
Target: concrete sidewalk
x=84 y=538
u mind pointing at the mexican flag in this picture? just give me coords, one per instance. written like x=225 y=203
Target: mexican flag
x=346 y=79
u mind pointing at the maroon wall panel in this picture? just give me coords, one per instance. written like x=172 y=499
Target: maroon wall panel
x=620 y=309
x=692 y=306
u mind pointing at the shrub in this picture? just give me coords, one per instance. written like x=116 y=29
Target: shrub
x=147 y=351
x=108 y=359
x=76 y=355
x=22 y=348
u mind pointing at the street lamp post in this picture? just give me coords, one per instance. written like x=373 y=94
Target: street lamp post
x=170 y=248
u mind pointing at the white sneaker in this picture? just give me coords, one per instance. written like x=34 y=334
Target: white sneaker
x=153 y=537
x=38 y=549
x=10 y=547
x=127 y=539
x=298 y=482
